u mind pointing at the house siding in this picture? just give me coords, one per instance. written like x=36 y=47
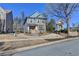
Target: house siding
x=40 y=24
x=9 y=22
x=6 y=21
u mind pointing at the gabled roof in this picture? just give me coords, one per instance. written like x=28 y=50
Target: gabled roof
x=34 y=14
x=60 y=21
x=4 y=10
x=38 y=15
x=25 y=19
x=7 y=11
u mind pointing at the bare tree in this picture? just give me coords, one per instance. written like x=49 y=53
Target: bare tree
x=22 y=15
x=62 y=10
x=23 y=19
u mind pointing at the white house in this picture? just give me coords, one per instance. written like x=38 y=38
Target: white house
x=35 y=23
x=60 y=25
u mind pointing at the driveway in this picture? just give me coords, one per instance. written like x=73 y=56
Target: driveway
x=68 y=48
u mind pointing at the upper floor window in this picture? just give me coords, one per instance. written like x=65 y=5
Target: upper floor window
x=31 y=21
x=43 y=21
x=38 y=21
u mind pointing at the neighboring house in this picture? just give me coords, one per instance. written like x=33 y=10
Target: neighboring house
x=36 y=23
x=6 y=20
x=60 y=25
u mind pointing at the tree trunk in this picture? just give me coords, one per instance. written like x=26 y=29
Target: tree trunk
x=68 y=29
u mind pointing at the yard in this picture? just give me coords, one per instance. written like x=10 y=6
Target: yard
x=10 y=42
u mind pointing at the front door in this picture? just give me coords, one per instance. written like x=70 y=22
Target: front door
x=33 y=29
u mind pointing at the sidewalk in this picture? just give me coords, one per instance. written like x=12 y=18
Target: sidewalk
x=11 y=52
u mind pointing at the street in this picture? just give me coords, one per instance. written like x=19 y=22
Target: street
x=68 y=48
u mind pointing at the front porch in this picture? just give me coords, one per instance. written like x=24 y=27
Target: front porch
x=33 y=29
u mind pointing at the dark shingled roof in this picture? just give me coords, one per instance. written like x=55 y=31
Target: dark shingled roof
x=25 y=20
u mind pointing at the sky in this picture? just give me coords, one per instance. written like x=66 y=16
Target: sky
x=30 y=8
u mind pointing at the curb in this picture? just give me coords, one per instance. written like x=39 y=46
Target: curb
x=11 y=52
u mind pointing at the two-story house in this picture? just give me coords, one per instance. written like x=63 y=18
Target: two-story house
x=6 y=20
x=36 y=23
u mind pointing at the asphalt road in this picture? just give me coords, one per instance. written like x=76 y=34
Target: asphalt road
x=68 y=48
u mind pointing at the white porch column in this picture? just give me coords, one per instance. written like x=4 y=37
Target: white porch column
x=36 y=28
x=44 y=27
x=28 y=29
